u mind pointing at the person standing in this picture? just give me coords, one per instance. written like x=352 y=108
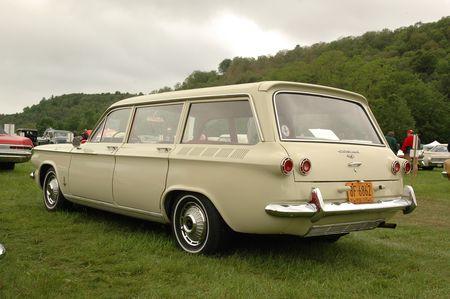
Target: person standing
x=408 y=144
x=392 y=141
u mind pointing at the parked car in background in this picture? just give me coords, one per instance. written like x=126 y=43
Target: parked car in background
x=260 y=158
x=32 y=134
x=52 y=136
x=434 y=157
x=13 y=149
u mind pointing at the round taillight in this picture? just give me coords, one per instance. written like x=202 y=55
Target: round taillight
x=305 y=166
x=406 y=167
x=395 y=167
x=287 y=165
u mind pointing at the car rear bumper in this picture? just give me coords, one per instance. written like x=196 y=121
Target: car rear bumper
x=316 y=209
x=14 y=158
x=432 y=163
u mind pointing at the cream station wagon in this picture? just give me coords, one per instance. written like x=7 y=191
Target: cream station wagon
x=259 y=158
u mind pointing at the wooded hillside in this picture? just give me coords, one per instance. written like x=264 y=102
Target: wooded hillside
x=405 y=74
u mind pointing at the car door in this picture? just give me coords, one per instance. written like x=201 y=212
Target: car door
x=92 y=164
x=142 y=162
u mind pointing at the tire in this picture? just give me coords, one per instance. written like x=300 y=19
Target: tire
x=7 y=166
x=427 y=167
x=197 y=226
x=53 y=198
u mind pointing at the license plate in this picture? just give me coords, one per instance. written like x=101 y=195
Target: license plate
x=361 y=192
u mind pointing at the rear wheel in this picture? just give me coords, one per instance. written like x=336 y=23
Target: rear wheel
x=7 y=166
x=197 y=225
x=53 y=198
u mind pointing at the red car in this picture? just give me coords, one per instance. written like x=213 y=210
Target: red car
x=13 y=149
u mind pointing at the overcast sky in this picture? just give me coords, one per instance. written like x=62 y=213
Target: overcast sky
x=52 y=47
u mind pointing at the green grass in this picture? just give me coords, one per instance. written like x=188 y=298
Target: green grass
x=89 y=253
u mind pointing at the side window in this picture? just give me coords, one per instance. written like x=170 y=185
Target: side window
x=98 y=133
x=230 y=122
x=116 y=126
x=157 y=124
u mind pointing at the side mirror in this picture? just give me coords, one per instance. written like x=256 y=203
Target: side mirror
x=76 y=142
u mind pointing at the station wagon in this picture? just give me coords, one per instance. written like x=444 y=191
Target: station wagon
x=258 y=158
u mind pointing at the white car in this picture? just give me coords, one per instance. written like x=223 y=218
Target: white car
x=434 y=157
x=260 y=158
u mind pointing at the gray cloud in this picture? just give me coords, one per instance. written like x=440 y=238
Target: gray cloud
x=55 y=47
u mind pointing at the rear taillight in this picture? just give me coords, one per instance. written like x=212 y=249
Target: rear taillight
x=287 y=165
x=395 y=167
x=305 y=166
x=406 y=167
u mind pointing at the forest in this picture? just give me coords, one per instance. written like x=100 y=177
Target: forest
x=404 y=73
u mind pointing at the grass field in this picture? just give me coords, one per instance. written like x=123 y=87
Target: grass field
x=89 y=253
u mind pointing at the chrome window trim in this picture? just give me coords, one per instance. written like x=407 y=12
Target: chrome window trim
x=207 y=97
x=280 y=137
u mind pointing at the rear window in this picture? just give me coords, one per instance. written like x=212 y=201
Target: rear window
x=302 y=117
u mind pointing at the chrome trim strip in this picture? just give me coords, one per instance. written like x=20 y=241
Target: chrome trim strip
x=107 y=206
x=317 y=208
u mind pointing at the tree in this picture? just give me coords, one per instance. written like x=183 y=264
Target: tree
x=224 y=65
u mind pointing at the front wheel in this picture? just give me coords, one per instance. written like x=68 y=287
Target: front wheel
x=197 y=225
x=53 y=198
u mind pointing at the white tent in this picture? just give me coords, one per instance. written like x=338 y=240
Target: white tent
x=430 y=145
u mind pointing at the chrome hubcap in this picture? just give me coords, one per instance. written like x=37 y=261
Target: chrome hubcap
x=193 y=224
x=52 y=191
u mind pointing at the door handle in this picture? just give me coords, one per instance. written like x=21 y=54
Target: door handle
x=112 y=147
x=164 y=149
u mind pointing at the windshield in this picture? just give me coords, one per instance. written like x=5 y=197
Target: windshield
x=61 y=134
x=317 y=118
x=439 y=149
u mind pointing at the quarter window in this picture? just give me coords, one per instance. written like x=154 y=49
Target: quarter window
x=116 y=126
x=229 y=122
x=156 y=124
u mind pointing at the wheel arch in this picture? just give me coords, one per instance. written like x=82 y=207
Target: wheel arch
x=43 y=168
x=170 y=194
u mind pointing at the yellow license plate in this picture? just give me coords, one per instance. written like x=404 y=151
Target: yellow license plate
x=361 y=192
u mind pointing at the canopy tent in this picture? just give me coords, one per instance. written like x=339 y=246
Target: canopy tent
x=430 y=145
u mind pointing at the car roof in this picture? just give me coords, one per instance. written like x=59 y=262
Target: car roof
x=240 y=89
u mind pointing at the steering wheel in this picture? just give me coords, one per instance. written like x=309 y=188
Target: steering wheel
x=117 y=133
